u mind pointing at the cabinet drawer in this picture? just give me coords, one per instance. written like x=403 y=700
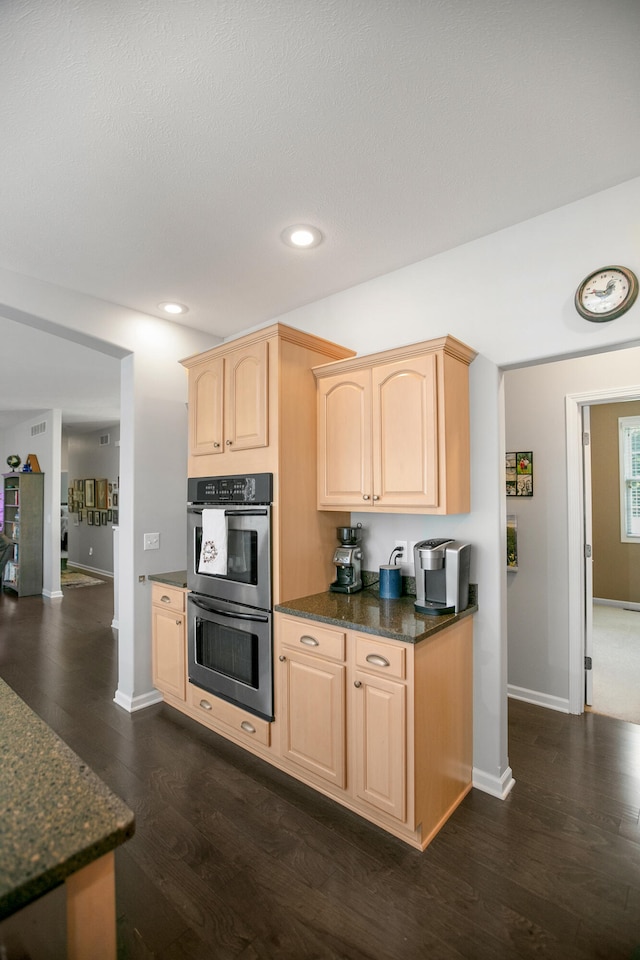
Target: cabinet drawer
x=382 y=657
x=313 y=638
x=166 y=596
x=216 y=713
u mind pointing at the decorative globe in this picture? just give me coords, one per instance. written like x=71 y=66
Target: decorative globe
x=14 y=461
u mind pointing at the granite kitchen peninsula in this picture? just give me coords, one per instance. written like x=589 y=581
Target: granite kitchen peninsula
x=59 y=824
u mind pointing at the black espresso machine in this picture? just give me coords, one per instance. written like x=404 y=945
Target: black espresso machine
x=348 y=560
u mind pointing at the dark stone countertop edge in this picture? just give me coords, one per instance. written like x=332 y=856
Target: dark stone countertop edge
x=39 y=758
x=404 y=623
x=176 y=578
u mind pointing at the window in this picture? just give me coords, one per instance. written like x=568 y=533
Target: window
x=629 y=443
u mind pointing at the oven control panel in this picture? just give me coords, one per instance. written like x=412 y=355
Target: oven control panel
x=248 y=488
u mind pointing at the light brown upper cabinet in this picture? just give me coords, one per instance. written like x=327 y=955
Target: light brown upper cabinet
x=393 y=430
x=228 y=401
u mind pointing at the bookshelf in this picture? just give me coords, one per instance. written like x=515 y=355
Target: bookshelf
x=23 y=524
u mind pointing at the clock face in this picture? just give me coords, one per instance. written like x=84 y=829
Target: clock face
x=606 y=294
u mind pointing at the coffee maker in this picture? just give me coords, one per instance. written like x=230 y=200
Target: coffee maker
x=442 y=576
x=348 y=561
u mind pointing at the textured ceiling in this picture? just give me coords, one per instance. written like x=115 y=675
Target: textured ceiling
x=155 y=149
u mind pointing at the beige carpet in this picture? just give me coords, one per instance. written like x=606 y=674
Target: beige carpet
x=616 y=662
x=74 y=578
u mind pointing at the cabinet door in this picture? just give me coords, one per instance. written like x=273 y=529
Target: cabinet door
x=206 y=394
x=344 y=440
x=246 y=397
x=405 y=433
x=314 y=715
x=381 y=744
x=168 y=651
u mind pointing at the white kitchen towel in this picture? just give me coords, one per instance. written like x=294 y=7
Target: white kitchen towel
x=213 y=553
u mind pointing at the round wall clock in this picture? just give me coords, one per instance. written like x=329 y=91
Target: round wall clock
x=606 y=294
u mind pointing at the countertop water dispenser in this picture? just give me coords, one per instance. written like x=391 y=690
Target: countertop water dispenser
x=442 y=576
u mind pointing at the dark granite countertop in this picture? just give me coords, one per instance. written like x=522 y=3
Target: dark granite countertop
x=366 y=612
x=177 y=578
x=56 y=815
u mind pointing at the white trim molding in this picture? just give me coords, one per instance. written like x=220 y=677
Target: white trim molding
x=499 y=787
x=561 y=704
x=131 y=704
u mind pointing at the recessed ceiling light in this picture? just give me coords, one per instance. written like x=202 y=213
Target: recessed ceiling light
x=302 y=235
x=173 y=308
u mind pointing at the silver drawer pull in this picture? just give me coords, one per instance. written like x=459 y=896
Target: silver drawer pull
x=247 y=727
x=205 y=705
x=357 y=683
x=365 y=496
x=309 y=641
x=165 y=599
x=377 y=661
x=216 y=444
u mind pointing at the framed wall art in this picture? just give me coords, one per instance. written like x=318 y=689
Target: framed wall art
x=519 y=474
x=89 y=493
x=101 y=494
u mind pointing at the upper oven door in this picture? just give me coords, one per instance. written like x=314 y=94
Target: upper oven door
x=248 y=576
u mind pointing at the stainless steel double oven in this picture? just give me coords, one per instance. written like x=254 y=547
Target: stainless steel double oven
x=230 y=646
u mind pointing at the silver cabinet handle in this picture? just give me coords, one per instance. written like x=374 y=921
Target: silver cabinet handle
x=216 y=444
x=165 y=599
x=178 y=623
x=247 y=727
x=309 y=641
x=205 y=705
x=376 y=497
x=377 y=660
x=365 y=496
x=281 y=658
x=357 y=683
x=228 y=442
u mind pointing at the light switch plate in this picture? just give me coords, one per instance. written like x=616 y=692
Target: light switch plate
x=152 y=541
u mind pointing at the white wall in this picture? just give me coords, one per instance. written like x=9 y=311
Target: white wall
x=538 y=613
x=510 y=296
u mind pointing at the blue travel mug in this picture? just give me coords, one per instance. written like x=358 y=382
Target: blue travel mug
x=390 y=582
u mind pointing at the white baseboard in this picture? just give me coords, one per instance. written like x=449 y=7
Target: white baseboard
x=499 y=787
x=623 y=604
x=53 y=594
x=83 y=566
x=131 y=704
x=561 y=704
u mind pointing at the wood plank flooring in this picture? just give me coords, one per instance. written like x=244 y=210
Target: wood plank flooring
x=233 y=859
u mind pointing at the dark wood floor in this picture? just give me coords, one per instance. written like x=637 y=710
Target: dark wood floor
x=232 y=858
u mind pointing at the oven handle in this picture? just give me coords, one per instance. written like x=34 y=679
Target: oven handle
x=254 y=617
x=235 y=513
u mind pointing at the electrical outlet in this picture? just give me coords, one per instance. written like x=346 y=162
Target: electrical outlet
x=401 y=559
x=403 y=545
x=90 y=551
x=152 y=541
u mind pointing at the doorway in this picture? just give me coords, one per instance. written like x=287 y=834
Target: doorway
x=604 y=646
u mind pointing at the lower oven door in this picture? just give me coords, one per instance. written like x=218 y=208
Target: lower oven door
x=230 y=653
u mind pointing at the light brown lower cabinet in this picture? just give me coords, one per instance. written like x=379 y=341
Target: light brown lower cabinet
x=169 y=648
x=382 y=726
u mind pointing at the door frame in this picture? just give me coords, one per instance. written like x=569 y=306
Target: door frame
x=577 y=600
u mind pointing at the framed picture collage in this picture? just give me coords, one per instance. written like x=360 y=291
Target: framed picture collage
x=94 y=501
